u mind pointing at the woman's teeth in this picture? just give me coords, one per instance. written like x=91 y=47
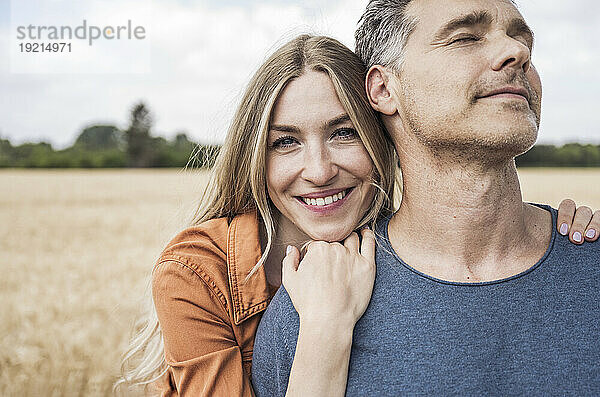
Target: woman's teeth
x=325 y=200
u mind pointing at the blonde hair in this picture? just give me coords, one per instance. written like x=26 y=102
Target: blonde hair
x=238 y=182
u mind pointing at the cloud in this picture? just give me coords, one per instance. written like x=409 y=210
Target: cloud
x=567 y=55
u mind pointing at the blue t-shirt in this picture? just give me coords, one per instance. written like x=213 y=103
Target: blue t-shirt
x=535 y=333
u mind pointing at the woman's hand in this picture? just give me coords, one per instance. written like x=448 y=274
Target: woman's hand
x=580 y=224
x=330 y=288
x=333 y=283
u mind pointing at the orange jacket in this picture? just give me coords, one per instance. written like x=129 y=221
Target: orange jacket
x=207 y=314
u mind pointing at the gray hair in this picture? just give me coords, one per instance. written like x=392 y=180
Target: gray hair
x=382 y=33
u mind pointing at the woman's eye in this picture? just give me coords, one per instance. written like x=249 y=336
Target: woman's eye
x=283 y=142
x=345 y=133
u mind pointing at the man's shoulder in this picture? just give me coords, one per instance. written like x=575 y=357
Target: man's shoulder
x=275 y=346
x=278 y=327
x=561 y=248
x=586 y=253
x=281 y=310
x=574 y=269
x=275 y=341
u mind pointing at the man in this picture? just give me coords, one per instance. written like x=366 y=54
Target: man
x=475 y=292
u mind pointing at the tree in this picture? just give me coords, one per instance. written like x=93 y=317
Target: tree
x=181 y=142
x=98 y=137
x=139 y=142
x=6 y=153
x=569 y=155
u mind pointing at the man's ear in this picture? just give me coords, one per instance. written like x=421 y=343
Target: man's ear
x=379 y=91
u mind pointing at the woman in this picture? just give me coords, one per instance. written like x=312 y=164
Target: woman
x=306 y=158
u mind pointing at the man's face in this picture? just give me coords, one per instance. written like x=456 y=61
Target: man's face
x=467 y=79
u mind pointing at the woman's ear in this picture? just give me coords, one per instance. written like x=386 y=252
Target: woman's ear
x=378 y=90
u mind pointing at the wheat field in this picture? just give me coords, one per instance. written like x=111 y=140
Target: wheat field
x=76 y=250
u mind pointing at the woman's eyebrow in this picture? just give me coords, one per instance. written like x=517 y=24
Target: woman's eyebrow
x=284 y=128
x=343 y=118
x=337 y=120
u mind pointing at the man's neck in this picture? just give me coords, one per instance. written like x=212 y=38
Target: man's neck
x=463 y=220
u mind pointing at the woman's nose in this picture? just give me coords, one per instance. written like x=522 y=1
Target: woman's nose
x=319 y=168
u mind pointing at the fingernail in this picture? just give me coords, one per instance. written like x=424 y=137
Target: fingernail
x=288 y=249
x=577 y=237
x=564 y=229
x=590 y=233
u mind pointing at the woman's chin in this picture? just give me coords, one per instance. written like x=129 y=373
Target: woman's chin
x=330 y=235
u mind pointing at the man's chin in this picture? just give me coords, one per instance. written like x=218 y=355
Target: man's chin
x=507 y=146
x=495 y=146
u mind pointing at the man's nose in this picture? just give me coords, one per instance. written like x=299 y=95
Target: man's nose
x=319 y=168
x=511 y=53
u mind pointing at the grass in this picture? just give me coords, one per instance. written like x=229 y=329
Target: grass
x=76 y=250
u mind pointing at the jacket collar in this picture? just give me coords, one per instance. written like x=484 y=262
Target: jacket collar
x=243 y=252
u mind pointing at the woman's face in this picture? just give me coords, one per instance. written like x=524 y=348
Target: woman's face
x=318 y=170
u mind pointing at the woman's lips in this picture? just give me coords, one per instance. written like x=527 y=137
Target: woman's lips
x=326 y=201
x=323 y=193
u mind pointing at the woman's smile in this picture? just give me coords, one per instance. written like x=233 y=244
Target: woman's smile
x=326 y=202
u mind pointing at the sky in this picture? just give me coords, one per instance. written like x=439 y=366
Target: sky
x=197 y=57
